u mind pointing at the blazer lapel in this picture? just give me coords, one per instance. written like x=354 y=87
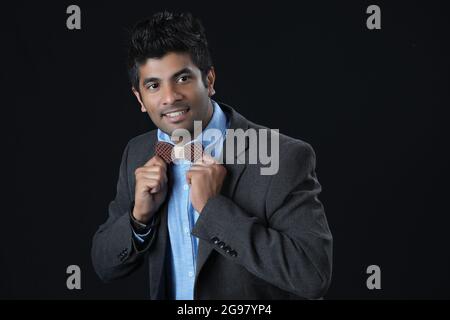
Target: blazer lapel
x=234 y=171
x=158 y=275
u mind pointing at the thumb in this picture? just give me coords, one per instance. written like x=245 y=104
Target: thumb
x=207 y=159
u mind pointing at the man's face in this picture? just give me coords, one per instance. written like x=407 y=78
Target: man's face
x=173 y=94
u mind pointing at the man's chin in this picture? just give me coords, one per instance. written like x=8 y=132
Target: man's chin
x=178 y=130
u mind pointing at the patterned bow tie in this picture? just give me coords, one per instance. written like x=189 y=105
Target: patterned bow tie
x=168 y=152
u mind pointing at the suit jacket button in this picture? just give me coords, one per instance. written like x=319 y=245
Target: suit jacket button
x=227 y=249
x=221 y=244
x=233 y=253
x=215 y=240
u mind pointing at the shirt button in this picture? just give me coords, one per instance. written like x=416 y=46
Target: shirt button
x=191 y=274
x=186 y=230
x=186 y=187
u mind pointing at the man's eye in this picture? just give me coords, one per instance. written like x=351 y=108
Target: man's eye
x=152 y=86
x=183 y=79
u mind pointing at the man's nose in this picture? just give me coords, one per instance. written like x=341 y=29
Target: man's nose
x=170 y=95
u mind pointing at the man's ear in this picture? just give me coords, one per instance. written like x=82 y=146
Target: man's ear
x=138 y=97
x=210 y=79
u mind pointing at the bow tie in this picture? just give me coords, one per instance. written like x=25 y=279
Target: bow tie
x=168 y=152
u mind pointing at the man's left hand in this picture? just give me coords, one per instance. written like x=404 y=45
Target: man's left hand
x=205 y=177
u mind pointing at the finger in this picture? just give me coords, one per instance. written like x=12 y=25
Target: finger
x=151 y=185
x=155 y=189
x=151 y=169
x=156 y=161
x=199 y=167
x=202 y=163
x=206 y=158
x=154 y=186
x=152 y=175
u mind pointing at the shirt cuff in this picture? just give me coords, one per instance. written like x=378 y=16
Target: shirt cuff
x=141 y=237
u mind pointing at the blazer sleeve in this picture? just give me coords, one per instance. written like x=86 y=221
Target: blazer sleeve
x=292 y=249
x=115 y=252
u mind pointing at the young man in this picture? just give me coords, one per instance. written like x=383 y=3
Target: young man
x=208 y=230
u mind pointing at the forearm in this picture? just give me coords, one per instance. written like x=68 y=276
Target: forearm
x=113 y=255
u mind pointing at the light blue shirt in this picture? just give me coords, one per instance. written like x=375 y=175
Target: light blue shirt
x=181 y=215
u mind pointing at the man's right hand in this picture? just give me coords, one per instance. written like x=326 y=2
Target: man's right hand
x=151 y=189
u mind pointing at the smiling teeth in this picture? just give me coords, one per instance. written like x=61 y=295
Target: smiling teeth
x=175 y=114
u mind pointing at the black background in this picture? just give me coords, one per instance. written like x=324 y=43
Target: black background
x=371 y=102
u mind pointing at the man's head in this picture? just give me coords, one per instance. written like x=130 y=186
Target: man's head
x=171 y=71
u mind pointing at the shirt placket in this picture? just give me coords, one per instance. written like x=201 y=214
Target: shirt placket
x=187 y=222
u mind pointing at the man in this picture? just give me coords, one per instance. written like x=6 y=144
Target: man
x=208 y=230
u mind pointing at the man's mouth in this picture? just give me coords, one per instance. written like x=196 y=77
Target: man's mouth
x=177 y=115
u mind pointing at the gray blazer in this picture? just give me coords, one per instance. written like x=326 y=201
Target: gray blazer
x=263 y=237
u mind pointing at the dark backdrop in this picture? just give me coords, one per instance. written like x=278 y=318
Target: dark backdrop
x=372 y=103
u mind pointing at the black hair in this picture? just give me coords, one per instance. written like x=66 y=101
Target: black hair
x=166 y=32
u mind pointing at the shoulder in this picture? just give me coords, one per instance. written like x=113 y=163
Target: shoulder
x=143 y=139
x=291 y=150
x=141 y=147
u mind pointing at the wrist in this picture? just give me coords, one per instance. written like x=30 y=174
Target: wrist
x=143 y=218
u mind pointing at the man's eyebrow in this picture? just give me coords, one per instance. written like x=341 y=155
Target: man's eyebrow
x=175 y=75
x=184 y=70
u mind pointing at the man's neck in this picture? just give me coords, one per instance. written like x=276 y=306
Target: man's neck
x=206 y=122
